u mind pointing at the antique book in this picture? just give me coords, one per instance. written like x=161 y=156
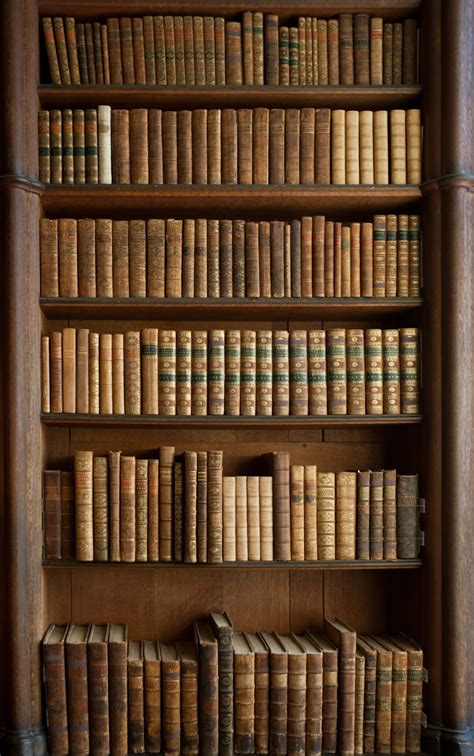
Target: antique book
x=68 y=537
x=336 y=371
x=178 y=514
x=261 y=692
x=280 y=378
x=278 y=465
x=383 y=700
x=346 y=497
x=248 y=373
x=356 y=404
x=105 y=373
x=223 y=629
x=127 y=509
x=410 y=369
x=326 y=515
x=83 y=477
x=310 y=501
x=370 y=655
x=100 y=508
x=253 y=518
x=278 y=715
x=414 y=701
x=136 y=704
x=207 y=647
x=201 y=506
x=98 y=686
x=399 y=694
x=391 y=371
x=189 y=698
x=241 y=518
x=363 y=515
x=390 y=514
x=345 y=639
x=266 y=518
x=359 y=704
x=190 y=507
x=118 y=374
x=244 y=695
x=54 y=671
x=232 y=372
x=317 y=373
x=141 y=511
x=373 y=371
x=376 y=514
x=407 y=517
x=52 y=514
x=153 y=510
x=314 y=694
x=216 y=371
x=297 y=519
x=45 y=375
x=214 y=506
x=297 y=694
x=330 y=690
x=167 y=454
x=171 y=703
x=183 y=372
x=114 y=506
x=298 y=358
x=76 y=688
x=229 y=546
x=167 y=372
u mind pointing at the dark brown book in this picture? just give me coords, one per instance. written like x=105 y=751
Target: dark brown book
x=127 y=509
x=278 y=721
x=207 y=648
x=415 y=677
x=201 y=506
x=271 y=48
x=261 y=154
x=126 y=45
x=361 y=49
x=314 y=694
x=376 y=514
x=166 y=502
x=189 y=698
x=214 y=506
x=90 y=53
x=244 y=696
x=98 y=683
x=115 y=55
x=322 y=170
x=407 y=517
x=136 y=704
x=346 y=49
x=388 y=53
x=330 y=690
x=383 y=702
x=297 y=694
x=233 y=52
x=345 y=639
x=229 y=146
x=370 y=655
x=277 y=243
x=178 y=513
x=252 y=270
x=170 y=147
x=170 y=675
x=137 y=258
x=223 y=629
x=152 y=695
x=265 y=261
x=262 y=692
x=155 y=239
x=410 y=52
x=155 y=146
x=54 y=671
x=213 y=258
x=185 y=147
x=77 y=692
x=139 y=146
x=118 y=688
x=399 y=694
x=238 y=258
x=279 y=468
x=68 y=536
x=52 y=514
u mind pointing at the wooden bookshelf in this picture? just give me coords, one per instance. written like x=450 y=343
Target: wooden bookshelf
x=430 y=598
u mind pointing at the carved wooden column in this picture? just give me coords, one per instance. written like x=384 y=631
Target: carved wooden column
x=21 y=719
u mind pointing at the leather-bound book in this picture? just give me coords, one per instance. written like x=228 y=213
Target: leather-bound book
x=67 y=147
x=139 y=146
x=398 y=147
x=253 y=518
x=266 y=518
x=252 y=271
x=330 y=689
x=214 y=506
x=155 y=146
x=83 y=477
x=52 y=514
x=104 y=137
x=387 y=53
x=56 y=371
x=278 y=258
x=103 y=245
x=132 y=369
x=225 y=258
x=292 y=146
x=333 y=51
x=44 y=146
x=310 y=499
x=178 y=23
x=244 y=696
x=137 y=241
x=323 y=63
x=264 y=373
x=309 y=50
x=167 y=372
x=127 y=509
x=98 y=684
x=346 y=497
x=403 y=254
x=407 y=517
x=363 y=515
x=229 y=146
x=337 y=371
x=414 y=708
x=233 y=53
x=100 y=509
x=381 y=154
x=114 y=506
x=45 y=375
x=189 y=243
x=261 y=692
x=183 y=372
x=141 y=512
x=314 y=38
x=367 y=260
x=410 y=51
x=278 y=719
x=366 y=146
x=352 y=150
x=338 y=147
x=355 y=273
x=200 y=258
x=391 y=257
x=326 y=515
x=355 y=372
x=284 y=53
x=295 y=258
x=174 y=258
x=222 y=627
x=82 y=370
x=262 y=154
x=241 y=519
x=167 y=454
x=271 y=49
x=414 y=261
x=346 y=49
x=97 y=53
x=207 y=648
x=54 y=672
x=153 y=510
x=345 y=639
x=79 y=146
x=94 y=384
x=189 y=698
x=373 y=371
x=337 y=259
x=383 y=699
x=190 y=507
x=248 y=374
x=118 y=375
x=297 y=694
x=51 y=50
x=152 y=695
x=199 y=63
x=214 y=150
x=322 y=146
x=265 y=261
x=67 y=244
x=298 y=353
x=149 y=50
x=170 y=147
x=391 y=371
x=81 y=53
x=77 y=688
x=68 y=539
x=136 y=703
x=216 y=371
x=61 y=50
x=281 y=373
x=279 y=468
x=91 y=143
x=185 y=143
x=258 y=48
x=370 y=656
x=170 y=50
x=276 y=146
x=201 y=506
x=199 y=372
x=413 y=146
x=397 y=56
x=229 y=545
x=297 y=512
x=232 y=372
x=376 y=515
x=314 y=693
x=213 y=258
x=399 y=694
x=346 y=261
x=118 y=688
x=306 y=257
x=359 y=704
x=86 y=257
x=410 y=370
x=376 y=51
x=361 y=49
x=120 y=130
x=155 y=240
x=115 y=56
x=318 y=246
x=188 y=39
x=105 y=374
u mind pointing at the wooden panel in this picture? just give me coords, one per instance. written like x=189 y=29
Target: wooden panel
x=359 y=598
x=306 y=600
x=257 y=600
x=57 y=599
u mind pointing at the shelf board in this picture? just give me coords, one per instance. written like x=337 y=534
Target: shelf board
x=250 y=309
x=360 y=564
x=228 y=96
x=226 y=200
x=224 y=422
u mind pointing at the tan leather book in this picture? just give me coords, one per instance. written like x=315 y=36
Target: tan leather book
x=68 y=538
x=141 y=511
x=189 y=698
x=345 y=261
x=152 y=695
x=155 y=241
x=94 y=383
x=264 y=397
x=415 y=674
x=355 y=261
x=344 y=638
x=98 y=685
x=67 y=147
x=229 y=146
x=167 y=454
x=363 y=516
x=390 y=514
x=376 y=51
x=314 y=37
x=115 y=57
x=297 y=694
x=359 y=704
x=258 y=48
x=338 y=147
x=174 y=258
x=199 y=372
x=101 y=509
x=76 y=688
x=183 y=373
x=366 y=146
x=337 y=259
x=276 y=146
x=326 y=515
x=245 y=145
x=136 y=705
x=248 y=375
x=306 y=257
x=167 y=372
x=216 y=369
x=271 y=49
x=410 y=370
x=241 y=518
x=278 y=258
x=155 y=146
x=333 y=51
x=45 y=375
x=391 y=256
x=67 y=243
x=314 y=693
x=190 y=506
x=261 y=692
x=104 y=256
x=214 y=506
x=229 y=548
x=298 y=355
x=292 y=146
x=413 y=146
x=51 y=50
x=137 y=255
x=82 y=370
x=214 y=151
x=318 y=246
x=403 y=255
x=207 y=647
x=253 y=518
x=414 y=255
x=179 y=50
x=309 y=51
x=346 y=501
x=92 y=150
x=247 y=47
x=200 y=258
x=381 y=154
x=139 y=146
x=61 y=50
x=297 y=512
x=356 y=404
x=44 y=146
x=185 y=140
x=225 y=258
x=127 y=509
x=367 y=259
x=54 y=671
x=252 y=270
x=373 y=371
x=323 y=62
x=287 y=260
x=336 y=371
x=262 y=153
x=105 y=374
x=120 y=135
x=199 y=136
x=352 y=156
x=233 y=53
x=52 y=514
x=232 y=372
x=56 y=372
x=398 y=147
x=86 y=257
x=281 y=373
x=198 y=40
x=189 y=243
x=399 y=694
x=376 y=515
x=330 y=689
x=361 y=49
x=310 y=502
x=83 y=486
x=132 y=370
x=114 y=505
x=391 y=371
x=153 y=510
x=284 y=55
x=178 y=503
x=383 y=701
x=170 y=147
x=244 y=695
x=265 y=492
x=278 y=719
x=69 y=369
x=202 y=506
x=118 y=378
x=149 y=50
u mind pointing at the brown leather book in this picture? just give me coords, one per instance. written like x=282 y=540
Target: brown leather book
x=139 y=146
x=413 y=145
x=292 y=146
x=247 y=47
x=264 y=373
x=387 y=53
x=390 y=514
x=115 y=54
x=167 y=454
x=54 y=671
x=44 y=146
x=185 y=145
x=333 y=51
x=279 y=467
x=370 y=655
x=297 y=694
x=103 y=245
x=68 y=538
x=261 y=695
x=281 y=374
x=149 y=50
x=302 y=51
x=137 y=254
x=207 y=648
x=410 y=51
x=229 y=146
x=346 y=496
x=155 y=146
x=355 y=277
x=252 y=271
x=198 y=38
x=170 y=146
x=415 y=674
x=359 y=704
x=376 y=51
x=361 y=49
x=118 y=699
x=391 y=257
x=56 y=371
x=222 y=627
x=86 y=257
x=298 y=353
x=241 y=518
x=174 y=258
x=178 y=23
x=307 y=148
x=77 y=688
x=94 y=386
x=258 y=48
x=213 y=258
x=248 y=374
x=363 y=515
x=403 y=254
x=67 y=244
x=200 y=258
x=167 y=372
x=189 y=698
x=52 y=514
x=266 y=517
x=225 y=258
x=190 y=507
x=155 y=241
x=383 y=700
x=82 y=370
x=132 y=370
x=91 y=145
x=183 y=373
x=330 y=690
x=271 y=49
x=188 y=41
x=337 y=259
x=295 y=258
x=322 y=146
x=407 y=517
x=153 y=510
x=238 y=258
x=152 y=695
x=244 y=696
x=391 y=371
x=356 y=404
x=373 y=371
x=310 y=498
x=214 y=150
x=214 y=506
x=309 y=51
x=326 y=515
x=322 y=39
x=344 y=638
x=399 y=694
x=346 y=49
x=318 y=252
x=169 y=44
x=233 y=53
x=229 y=546
x=314 y=693
x=414 y=261
x=67 y=147
x=100 y=509
x=367 y=259
x=127 y=509
x=189 y=244
x=264 y=259
x=345 y=261
x=141 y=511
x=45 y=375
x=76 y=41
x=51 y=50
x=397 y=58
x=114 y=506
x=98 y=684
x=262 y=155
x=120 y=130
x=276 y=146
x=376 y=515
x=120 y=258
x=61 y=50
x=232 y=372
x=83 y=483
x=201 y=506
x=136 y=706
x=278 y=719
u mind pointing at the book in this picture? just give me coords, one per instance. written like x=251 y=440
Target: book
x=345 y=639
x=77 y=688
x=407 y=510
x=189 y=698
x=278 y=713
x=370 y=655
x=52 y=514
x=314 y=693
x=98 y=686
x=54 y=671
x=223 y=629
x=207 y=647
x=297 y=694
x=136 y=706
x=330 y=689
x=244 y=695
x=118 y=687
x=261 y=692
x=171 y=698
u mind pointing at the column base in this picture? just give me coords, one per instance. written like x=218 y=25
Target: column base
x=23 y=742
x=443 y=741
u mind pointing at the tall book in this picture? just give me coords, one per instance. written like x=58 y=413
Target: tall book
x=223 y=629
x=244 y=695
x=345 y=639
x=98 y=684
x=170 y=672
x=136 y=705
x=279 y=468
x=189 y=698
x=118 y=688
x=278 y=693
x=55 y=688
x=152 y=695
x=207 y=647
x=77 y=689
x=330 y=689
x=370 y=655
x=314 y=694
x=262 y=692
x=297 y=694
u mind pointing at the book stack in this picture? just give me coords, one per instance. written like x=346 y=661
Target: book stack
x=178 y=50
x=155 y=371
x=306 y=257
x=182 y=508
x=244 y=146
x=326 y=691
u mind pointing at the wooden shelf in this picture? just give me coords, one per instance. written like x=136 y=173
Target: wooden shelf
x=250 y=309
x=360 y=564
x=228 y=96
x=224 y=200
x=213 y=422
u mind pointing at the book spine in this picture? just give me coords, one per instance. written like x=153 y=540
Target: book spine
x=376 y=51
x=152 y=704
x=381 y=154
x=284 y=55
x=188 y=37
x=281 y=507
x=413 y=146
x=397 y=53
x=333 y=51
x=229 y=546
x=355 y=372
x=373 y=371
x=398 y=147
x=208 y=699
x=45 y=375
x=363 y=516
x=376 y=515
x=216 y=372
x=98 y=684
x=258 y=48
x=114 y=506
x=369 y=702
x=226 y=684
x=253 y=518
x=292 y=146
x=52 y=514
x=302 y=50
x=104 y=256
x=281 y=384
x=297 y=512
x=127 y=509
x=214 y=515
x=137 y=256
x=178 y=512
x=69 y=369
x=297 y=693
x=167 y=372
x=399 y=701
x=383 y=706
x=201 y=506
x=278 y=703
x=336 y=371
x=56 y=371
x=55 y=696
x=391 y=371
x=266 y=518
x=179 y=50
x=117 y=653
x=155 y=241
x=136 y=709
x=276 y=147
x=94 y=385
x=67 y=243
x=359 y=704
x=100 y=509
x=233 y=53
x=262 y=686
x=115 y=56
x=410 y=369
x=244 y=704
x=407 y=516
x=241 y=518
x=86 y=257
x=105 y=374
x=166 y=503
x=414 y=700
x=190 y=506
x=326 y=515
x=68 y=538
x=141 y=512
x=189 y=707
x=310 y=530
x=67 y=147
x=199 y=63
x=298 y=354
x=248 y=375
x=346 y=498
x=361 y=49
x=199 y=372
x=183 y=372
x=410 y=50
x=414 y=261
x=83 y=486
x=271 y=50
x=120 y=135
x=264 y=373
x=322 y=37
x=295 y=258
x=262 y=155
x=44 y=146
x=314 y=703
x=149 y=50
x=77 y=698
x=132 y=370
x=90 y=53
x=200 y=263
x=252 y=271
x=153 y=510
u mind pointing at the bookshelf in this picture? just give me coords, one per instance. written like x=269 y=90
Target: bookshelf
x=430 y=599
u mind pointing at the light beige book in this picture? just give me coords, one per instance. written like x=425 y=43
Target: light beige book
x=253 y=518
x=241 y=529
x=229 y=520
x=398 y=147
x=297 y=512
x=381 y=147
x=346 y=499
x=366 y=142
x=266 y=518
x=310 y=512
x=326 y=514
x=338 y=147
x=104 y=122
x=352 y=147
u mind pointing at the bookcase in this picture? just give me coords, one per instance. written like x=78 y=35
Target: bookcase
x=431 y=601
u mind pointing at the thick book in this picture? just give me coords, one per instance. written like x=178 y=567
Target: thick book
x=345 y=639
x=330 y=689
x=370 y=655
x=189 y=698
x=171 y=703
x=244 y=695
x=279 y=467
x=77 y=688
x=223 y=629
x=297 y=694
x=278 y=721
x=83 y=481
x=399 y=694
x=415 y=677
x=152 y=695
x=407 y=515
x=54 y=672
x=207 y=647
x=314 y=694
x=98 y=684
x=383 y=701
x=136 y=707
x=262 y=692
x=118 y=688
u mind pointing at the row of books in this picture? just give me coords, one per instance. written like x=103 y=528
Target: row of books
x=229 y=146
x=183 y=50
x=307 y=257
x=232 y=372
x=326 y=691
x=181 y=507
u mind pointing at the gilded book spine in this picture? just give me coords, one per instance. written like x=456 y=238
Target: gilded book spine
x=83 y=482
x=326 y=516
x=100 y=509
